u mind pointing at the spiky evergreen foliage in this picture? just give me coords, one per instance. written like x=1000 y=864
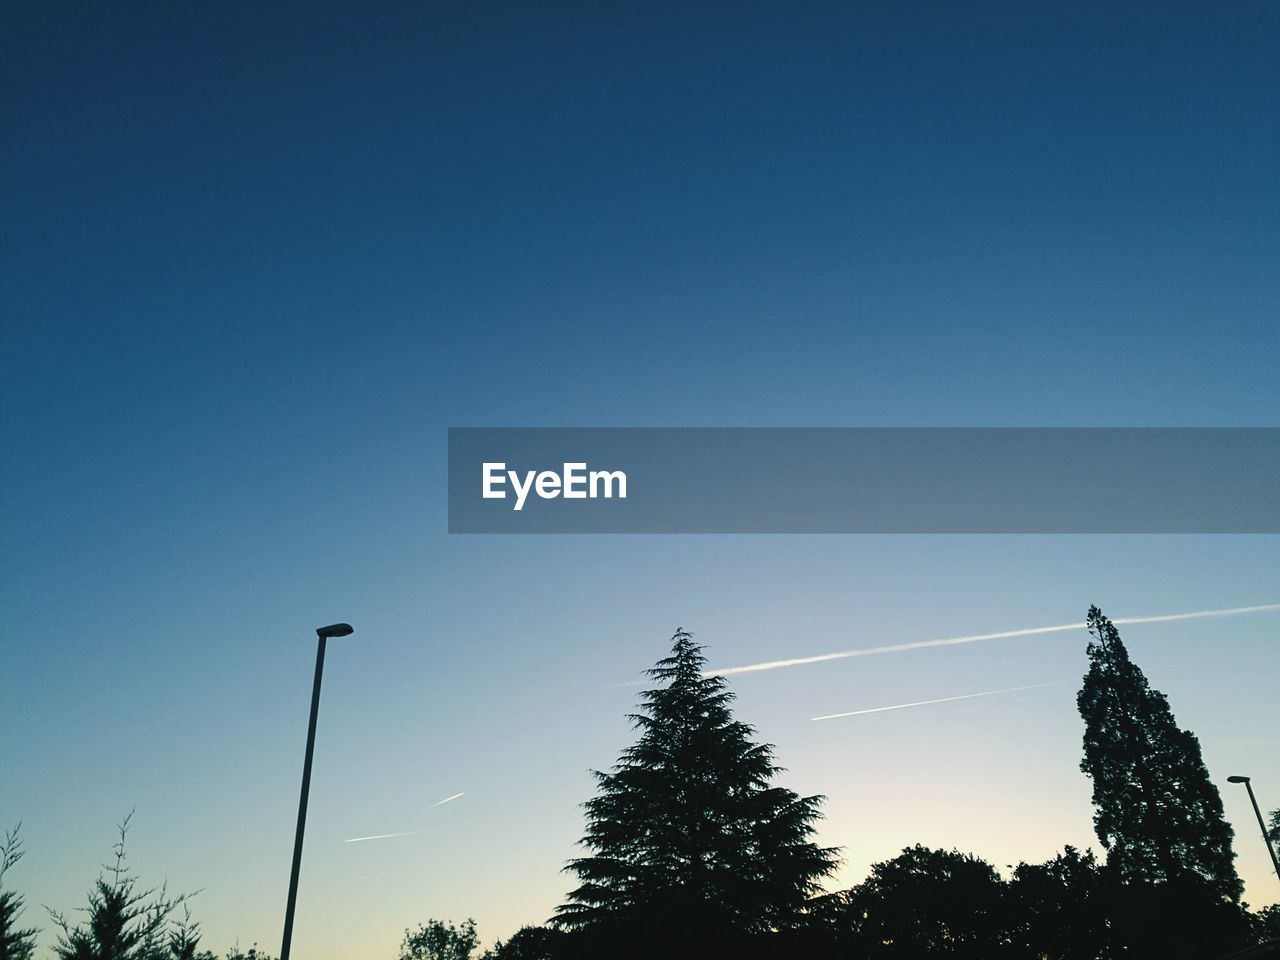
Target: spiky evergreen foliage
x=122 y=922
x=1156 y=811
x=687 y=831
x=183 y=939
x=16 y=943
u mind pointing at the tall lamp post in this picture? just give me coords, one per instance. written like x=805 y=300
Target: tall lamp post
x=322 y=634
x=1261 y=823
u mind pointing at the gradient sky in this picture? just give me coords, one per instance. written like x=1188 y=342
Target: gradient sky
x=256 y=260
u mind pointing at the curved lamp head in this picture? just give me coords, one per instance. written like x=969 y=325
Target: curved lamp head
x=1237 y=779
x=335 y=630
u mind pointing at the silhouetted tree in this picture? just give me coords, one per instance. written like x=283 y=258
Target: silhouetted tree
x=16 y=943
x=1058 y=909
x=1187 y=917
x=183 y=941
x=528 y=943
x=123 y=923
x=253 y=953
x=1266 y=923
x=440 y=940
x=687 y=833
x=1156 y=811
x=928 y=903
x=1267 y=920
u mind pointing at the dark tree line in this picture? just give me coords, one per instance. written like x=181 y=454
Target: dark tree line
x=692 y=850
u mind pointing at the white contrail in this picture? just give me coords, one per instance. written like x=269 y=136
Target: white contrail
x=382 y=836
x=407 y=833
x=977 y=637
x=925 y=703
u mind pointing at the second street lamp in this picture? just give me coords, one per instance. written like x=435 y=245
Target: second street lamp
x=1266 y=838
x=322 y=635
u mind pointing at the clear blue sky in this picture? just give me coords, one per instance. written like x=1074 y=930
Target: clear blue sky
x=256 y=260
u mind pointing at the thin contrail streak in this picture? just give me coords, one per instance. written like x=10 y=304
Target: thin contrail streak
x=925 y=703
x=407 y=833
x=382 y=836
x=978 y=637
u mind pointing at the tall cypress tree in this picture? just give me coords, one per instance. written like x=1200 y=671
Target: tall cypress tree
x=687 y=831
x=1156 y=811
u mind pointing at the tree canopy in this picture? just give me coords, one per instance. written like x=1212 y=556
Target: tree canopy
x=929 y=903
x=440 y=940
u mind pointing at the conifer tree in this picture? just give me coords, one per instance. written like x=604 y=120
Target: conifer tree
x=687 y=832
x=16 y=943
x=1157 y=813
x=122 y=922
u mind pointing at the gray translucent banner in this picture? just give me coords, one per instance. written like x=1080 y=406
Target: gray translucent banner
x=864 y=480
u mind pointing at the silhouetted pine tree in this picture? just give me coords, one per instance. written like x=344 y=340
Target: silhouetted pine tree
x=184 y=939
x=1156 y=811
x=122 y=922
x=16 y=943
x=687 y=831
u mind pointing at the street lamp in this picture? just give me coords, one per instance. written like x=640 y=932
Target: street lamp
x=1265 y=836
x=322 y=635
